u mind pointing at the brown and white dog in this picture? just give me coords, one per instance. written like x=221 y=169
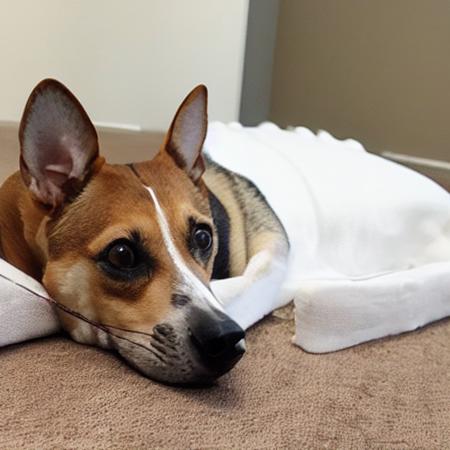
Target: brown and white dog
x=128 y=251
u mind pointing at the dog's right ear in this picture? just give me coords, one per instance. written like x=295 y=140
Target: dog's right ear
x=58 y=143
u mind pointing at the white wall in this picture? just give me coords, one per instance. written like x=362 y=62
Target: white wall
x=128 y=61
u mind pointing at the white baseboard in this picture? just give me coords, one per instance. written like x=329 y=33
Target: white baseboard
x=118 y=126
x=427 y=162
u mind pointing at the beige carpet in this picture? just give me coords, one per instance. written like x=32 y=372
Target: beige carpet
x=392 y=394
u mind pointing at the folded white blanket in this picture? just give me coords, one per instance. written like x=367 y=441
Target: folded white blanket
x=370 y=241
x=24 y=311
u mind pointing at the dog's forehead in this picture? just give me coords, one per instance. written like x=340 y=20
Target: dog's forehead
x=112 y=200
x=171 y=184
x=117 y=202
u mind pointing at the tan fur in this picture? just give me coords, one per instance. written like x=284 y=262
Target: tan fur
x=20 y=220
x=254 y=227
x=86 y=228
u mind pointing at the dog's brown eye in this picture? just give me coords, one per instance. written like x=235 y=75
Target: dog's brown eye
x=121 y=256
x=126 y=259
x=202 y=239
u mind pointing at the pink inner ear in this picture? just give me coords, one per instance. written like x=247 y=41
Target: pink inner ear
x=58 y=140
x=53 y=154
x=190 y=133
x=56 y=174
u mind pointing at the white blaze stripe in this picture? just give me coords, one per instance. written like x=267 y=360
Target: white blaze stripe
x=189 y=278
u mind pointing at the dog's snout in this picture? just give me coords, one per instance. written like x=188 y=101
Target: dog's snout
x=218 y=339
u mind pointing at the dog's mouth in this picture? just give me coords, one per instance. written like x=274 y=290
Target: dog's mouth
x=192 y=347
x=196 y=353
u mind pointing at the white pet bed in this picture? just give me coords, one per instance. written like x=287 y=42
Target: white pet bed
x=370 y=241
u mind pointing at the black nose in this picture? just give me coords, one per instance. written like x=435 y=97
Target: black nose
x=218 y=339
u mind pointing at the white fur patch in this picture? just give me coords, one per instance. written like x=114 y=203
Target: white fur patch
x=85 y=333
x=193 y=287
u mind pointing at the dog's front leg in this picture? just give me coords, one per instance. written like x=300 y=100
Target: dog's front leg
x=254 y=294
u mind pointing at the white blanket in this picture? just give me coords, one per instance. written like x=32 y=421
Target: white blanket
x=370 y=240
x=24 y=311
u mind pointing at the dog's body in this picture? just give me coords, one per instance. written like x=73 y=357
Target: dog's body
x=129 y=250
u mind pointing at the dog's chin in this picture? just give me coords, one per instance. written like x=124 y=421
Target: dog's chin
x=183 y=366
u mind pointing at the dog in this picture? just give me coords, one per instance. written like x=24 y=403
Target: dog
x=128 y=252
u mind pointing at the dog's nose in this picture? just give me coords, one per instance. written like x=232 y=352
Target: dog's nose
x=218 y=339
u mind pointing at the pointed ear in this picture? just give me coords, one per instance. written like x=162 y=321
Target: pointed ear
x=58 y=143
x=187 y=132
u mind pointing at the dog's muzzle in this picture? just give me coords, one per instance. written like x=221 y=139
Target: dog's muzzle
x=218 y=339
x=193 y=347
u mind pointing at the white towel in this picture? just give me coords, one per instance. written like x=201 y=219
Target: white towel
x=24 y=311
x=370 y=240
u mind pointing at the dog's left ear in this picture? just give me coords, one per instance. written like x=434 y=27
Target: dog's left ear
x=58 y=144
x=186 y=135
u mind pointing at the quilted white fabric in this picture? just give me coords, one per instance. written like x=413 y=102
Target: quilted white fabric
x=24 y=311
x=370 y=239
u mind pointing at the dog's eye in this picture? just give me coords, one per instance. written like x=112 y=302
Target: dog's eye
x=202 y=237
x=122 y=256
x=126 y=259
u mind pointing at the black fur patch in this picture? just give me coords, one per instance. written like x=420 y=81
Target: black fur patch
x=221 y=268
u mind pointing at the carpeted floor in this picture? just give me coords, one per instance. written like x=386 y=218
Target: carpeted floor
x=393 y=393
x=390 y=394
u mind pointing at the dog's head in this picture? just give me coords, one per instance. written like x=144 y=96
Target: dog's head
x=128 y=250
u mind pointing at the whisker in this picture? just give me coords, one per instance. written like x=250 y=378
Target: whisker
x=159 y=348
x=143 y=333
x=157 y=338
x=149 y=349
x=164 y=342
x=168 y=351
x=79 y=316
x=158 y=345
